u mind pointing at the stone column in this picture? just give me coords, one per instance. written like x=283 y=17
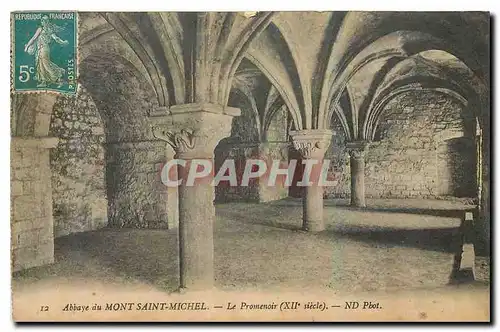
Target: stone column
x=357 y=152
x=172 y=196
x=312 y=145
x=194 y=130
x=270 y=152
x=32 y=224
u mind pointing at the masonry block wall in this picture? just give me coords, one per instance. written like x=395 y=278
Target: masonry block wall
x=32 y=237
x=78 y=166
x=424 y=147
x=276 y=149
x=339 y=163
x=239 y=152
x=244 y=144
x=137 y=197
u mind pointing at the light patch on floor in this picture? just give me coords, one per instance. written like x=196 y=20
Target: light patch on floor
x=390 y=245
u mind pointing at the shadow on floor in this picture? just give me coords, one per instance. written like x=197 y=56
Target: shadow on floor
x=345 y=206
x=263 y=218
x=449 y=213
x=435 y=239
x=107 y=255
x=442 y=239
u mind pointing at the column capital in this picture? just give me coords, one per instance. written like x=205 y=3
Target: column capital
x=357 y=149
x=311 y=143
x=194 y=130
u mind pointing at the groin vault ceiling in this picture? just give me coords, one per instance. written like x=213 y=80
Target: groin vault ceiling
x=319 y=65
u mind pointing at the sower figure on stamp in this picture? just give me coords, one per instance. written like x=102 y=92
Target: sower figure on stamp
x=47 y=72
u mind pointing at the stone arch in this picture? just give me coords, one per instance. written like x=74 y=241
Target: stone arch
x=30 y=127
x=136 y=196
x=379 y=106
x=251 y=87
x=259 y=132
x=411 y=136
x=276 y=111
x=399 y=45
x=270 y=54
x=251 y=31
x=280 y=29
x=122 y=94
x=454 y=76
x=168 y=28
x=338 y=155
x=248 y=122
x=122 y=24
x=78 y=165
x=340 y=114
x=30 y=114
x=429 y=69
x=112 y=44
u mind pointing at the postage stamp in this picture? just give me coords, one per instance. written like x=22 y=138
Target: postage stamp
x=44 y=52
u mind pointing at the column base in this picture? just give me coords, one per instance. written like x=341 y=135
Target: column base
x=188 y=290
x=358 y=204
x=313 y=226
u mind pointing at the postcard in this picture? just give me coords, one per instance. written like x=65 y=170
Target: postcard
x=250 y=166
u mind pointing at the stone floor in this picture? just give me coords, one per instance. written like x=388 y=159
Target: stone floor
x=390 y=245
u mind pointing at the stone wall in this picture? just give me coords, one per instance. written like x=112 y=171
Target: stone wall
x=424 y=148
x=339 y=163
x=137 y=197
x=240 y=153
x=277 y=149
x=78 y=166
x=244 y=144
x=32 y=238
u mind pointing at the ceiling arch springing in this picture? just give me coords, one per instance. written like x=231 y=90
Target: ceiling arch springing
x=261 y=96
x=273 y=65
x=377 y=77
x=128 y=30
x=342 y=112
x=454 y=32
x=309 y=57
x=274 y=102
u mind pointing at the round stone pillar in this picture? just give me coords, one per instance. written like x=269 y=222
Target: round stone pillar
x=357 y=153
x=194 y=130
x=271 y=153
x=312 y=145
x=312 y=209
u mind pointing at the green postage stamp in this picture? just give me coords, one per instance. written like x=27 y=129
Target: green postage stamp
x=44 y=52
